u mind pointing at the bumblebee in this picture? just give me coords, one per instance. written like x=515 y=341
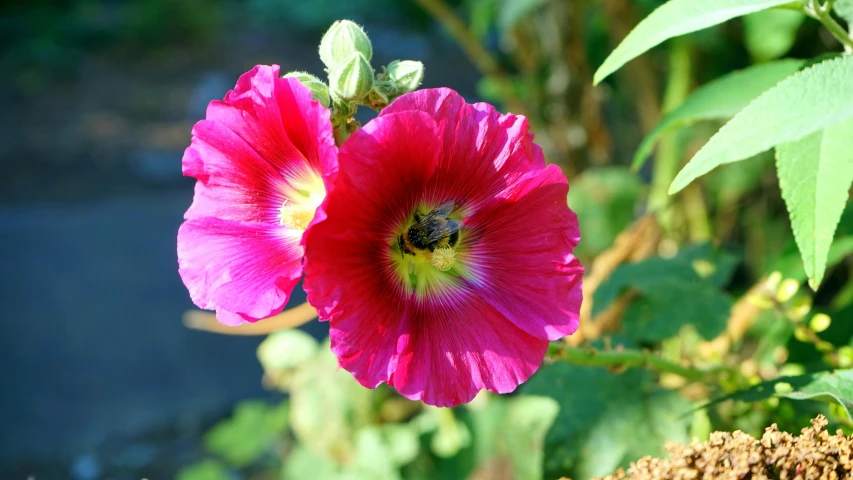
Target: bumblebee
x=435 y=229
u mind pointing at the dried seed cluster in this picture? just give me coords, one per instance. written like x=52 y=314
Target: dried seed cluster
x=815 y=454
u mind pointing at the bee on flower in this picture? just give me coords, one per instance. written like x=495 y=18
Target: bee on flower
x=444 y=261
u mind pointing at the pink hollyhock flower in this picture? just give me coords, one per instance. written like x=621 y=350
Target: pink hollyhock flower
x=264 y=159
x=444 y=264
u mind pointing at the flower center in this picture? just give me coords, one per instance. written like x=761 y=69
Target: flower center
x=296 y=216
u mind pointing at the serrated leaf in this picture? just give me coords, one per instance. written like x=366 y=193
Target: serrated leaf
x=672 y=295
x=675 y=18
x=718 y=100
x=806 y=102
x=605 y=420
x=815 y=174
x=835 y=386
x=769 y=34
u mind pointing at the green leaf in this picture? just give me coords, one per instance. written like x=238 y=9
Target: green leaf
x=769 y=34
x=815 y=174
x=675 y=18
x=604 y=200
x=806 y=102
x=528 y=420
x=672 y=295
x=844 y=9
x=249 y=433
x=718 y=100
x=605 y=420
x=204 y=470
x=834 y=386
x=512 y=430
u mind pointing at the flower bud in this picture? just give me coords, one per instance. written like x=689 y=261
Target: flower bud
x=405 y=75
x=319 y=90
x=820 y=322
x=352 y=80
x=342 y=40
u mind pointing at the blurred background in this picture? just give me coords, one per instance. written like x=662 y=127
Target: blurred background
x=97 y=98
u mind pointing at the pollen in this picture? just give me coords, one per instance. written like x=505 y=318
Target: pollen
x=443 y=257
x=296 y=216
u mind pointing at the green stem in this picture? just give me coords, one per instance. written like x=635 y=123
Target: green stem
x=822 y=14
x=668 y=158
x=626 y=358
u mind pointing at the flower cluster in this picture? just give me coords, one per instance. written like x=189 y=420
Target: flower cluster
x=435 y=241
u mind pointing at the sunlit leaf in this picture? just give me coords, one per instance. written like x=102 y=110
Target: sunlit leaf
x=815 y=174
x=672 y=295
x=805 y=102
x=769 y=34
x=605 y=420
x=249 y=433
x=604 y=200
x=675 y=18
x=834 y=386
x=718 y=100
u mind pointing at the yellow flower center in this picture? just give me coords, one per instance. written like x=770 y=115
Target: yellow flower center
x=443 y=257
x=303 y=194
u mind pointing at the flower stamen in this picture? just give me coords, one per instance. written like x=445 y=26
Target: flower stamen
x=443 y=257
x=298 y=215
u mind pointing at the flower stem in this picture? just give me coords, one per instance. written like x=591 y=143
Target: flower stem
x=822 y=14
x=625 y=358
x=475 y=51
x=290 y=318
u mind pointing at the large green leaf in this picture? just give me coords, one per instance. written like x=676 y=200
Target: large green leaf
x=674 y=18
x=673 y=295
x=815 y=174
x=835 y=386
x=804 y=103
x=718 y=100
x=769 y=34
x=605 y=420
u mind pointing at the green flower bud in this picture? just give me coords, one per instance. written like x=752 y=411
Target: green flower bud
x=352 y=80
x=319 y=90
x=405 y=75
x=342 y=40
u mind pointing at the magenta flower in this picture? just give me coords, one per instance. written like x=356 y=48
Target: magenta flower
x=444 y=264
x=264 y=159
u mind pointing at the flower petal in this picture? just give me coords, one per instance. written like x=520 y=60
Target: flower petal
x=521 y=255
x=441 y=352
x=482 y=151
x=254 y=147
x=244 y=271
